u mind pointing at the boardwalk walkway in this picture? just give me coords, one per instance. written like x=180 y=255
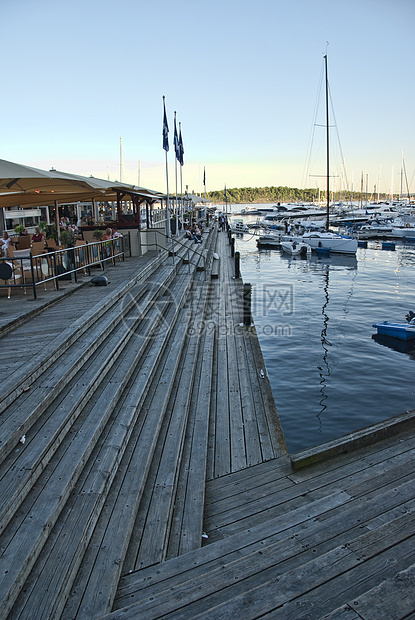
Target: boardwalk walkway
x=144 y=474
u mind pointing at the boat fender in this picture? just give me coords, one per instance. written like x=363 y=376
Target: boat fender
x=407 y=225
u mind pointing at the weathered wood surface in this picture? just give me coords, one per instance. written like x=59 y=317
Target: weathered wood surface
x=343 y=527
x=116 y=404
x=149 y=425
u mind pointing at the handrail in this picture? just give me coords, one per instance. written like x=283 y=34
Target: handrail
x=62 y=263
x=158 y=231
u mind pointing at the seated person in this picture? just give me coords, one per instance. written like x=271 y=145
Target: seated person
x=107 y=236
x=6 y=241
x=187 y=233
x=197 y=235
x=115 y=233
x=37 y=236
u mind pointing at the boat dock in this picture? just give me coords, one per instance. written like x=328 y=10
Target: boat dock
x=144 y=471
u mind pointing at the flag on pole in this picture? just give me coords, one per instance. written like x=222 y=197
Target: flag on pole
x=165 y=129
x=176 y=140
x=181 y=147
x=204 y=176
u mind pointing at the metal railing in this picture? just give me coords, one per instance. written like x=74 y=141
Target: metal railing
x=55 y=265
x=173 y=241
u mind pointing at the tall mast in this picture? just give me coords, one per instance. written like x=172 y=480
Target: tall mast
x=121 y=162
x=327 y=145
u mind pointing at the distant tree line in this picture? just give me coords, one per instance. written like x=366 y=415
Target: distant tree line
x=243 y=195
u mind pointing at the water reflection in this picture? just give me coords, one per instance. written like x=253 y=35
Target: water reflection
x=325 y=265
x=324 y=371
x=329 y=347
x=402 y=346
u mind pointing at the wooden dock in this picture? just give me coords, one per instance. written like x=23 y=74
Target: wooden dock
x=144 y=473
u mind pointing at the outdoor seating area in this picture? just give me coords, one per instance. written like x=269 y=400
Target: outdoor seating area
x=45 y=263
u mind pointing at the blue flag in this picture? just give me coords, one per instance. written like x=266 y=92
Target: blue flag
x=176 y=141
x=204 y=176
x=181 y=147
x=165 y=129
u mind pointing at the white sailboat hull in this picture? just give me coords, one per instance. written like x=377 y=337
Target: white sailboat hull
x=329 y=241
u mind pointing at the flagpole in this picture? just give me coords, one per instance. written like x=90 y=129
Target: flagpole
x=166 y=148
x=176 y=146
x=167 y=201
x=181 y=173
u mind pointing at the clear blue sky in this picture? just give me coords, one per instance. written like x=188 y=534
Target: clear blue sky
x=243 y=77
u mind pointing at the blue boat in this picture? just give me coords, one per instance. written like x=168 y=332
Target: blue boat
x=403 y=331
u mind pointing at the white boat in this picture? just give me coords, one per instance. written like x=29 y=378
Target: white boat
x=273 y=222
x=334 y=242
x=296 y=248
x=269 y=241
x=238 y=227
x=250 y=210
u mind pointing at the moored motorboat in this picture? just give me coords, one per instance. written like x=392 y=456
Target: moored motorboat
x=295 y=248
x=402 y=331
x=334 y=242
x=269 y=241
x=238 y=227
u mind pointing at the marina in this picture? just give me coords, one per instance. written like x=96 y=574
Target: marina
x=314 y=321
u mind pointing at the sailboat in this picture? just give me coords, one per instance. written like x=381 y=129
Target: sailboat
x=329 y=241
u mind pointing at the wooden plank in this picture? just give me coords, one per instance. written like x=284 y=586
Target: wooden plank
x=393 y=599
x=224 y=581
x=366 y=436
x=39 y=448
x=236 y=424
x=252 y=597
x=222 y=451
x=348 y=585
x=219 y=488
x=273 y=504
x=192 y=521
x=32 y=535
x=343 y=613
x=197 y=565
x=372 y=454
x=100 y=581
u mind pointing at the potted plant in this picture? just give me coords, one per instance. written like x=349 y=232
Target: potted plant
x=43 y=227
x=98 y=234
x=51 y=235
x=67 y=238
x=23 y=240
x=19 y=229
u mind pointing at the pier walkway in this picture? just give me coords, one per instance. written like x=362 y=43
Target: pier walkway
x=144 y=473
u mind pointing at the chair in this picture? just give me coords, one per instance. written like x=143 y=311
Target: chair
x=23 y=265
x=80 y=254
x=38 y=247
x=23 y=242
x=10 y=272
x=52 y=245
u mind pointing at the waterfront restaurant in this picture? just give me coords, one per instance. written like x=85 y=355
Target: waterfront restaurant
x=28 y=195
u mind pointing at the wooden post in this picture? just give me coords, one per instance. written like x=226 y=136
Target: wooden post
x=237 y=264
x=247 y=304
x=232 y=247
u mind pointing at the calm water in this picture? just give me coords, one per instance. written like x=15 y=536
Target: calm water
x=314 y=321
